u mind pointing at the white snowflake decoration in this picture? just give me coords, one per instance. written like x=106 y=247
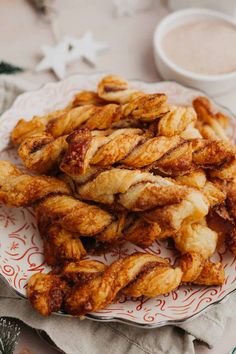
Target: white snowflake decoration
x=129 y=7
x=85 y=47
x=70 y=49
x=55 y=58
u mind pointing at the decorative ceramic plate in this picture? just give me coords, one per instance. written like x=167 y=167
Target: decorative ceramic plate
x=21 y=250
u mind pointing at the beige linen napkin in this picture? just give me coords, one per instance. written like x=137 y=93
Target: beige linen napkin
x=85 y=337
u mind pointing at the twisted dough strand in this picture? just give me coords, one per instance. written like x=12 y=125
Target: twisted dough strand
x=146 y=274
x=60 y=245
x=133 y=189
x=87 y=98
x=115 y=89
x=53 y=204
x=40 y=152
x=212 y=126
x=197 y=243
x=18 y=189
x=51 y=197
x=130 y=148
x=145 y=109
x=92 y=285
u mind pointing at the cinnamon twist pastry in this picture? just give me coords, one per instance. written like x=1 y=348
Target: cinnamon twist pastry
x=197 y=270
x=18 y=189
x=60 y=245
x=143 y=109
x=180 y=119
x=135 y=190
x=61 y=216
x=130 y=148
x=97 y=285
x=51 y=197
x=211 y=125
x=197 y=243
x=226 y=172
x=42 y=153
x=87 y=285
x=161 y=200
x=87 y=98
x=198 y=179
x=37 y=124
x=115 y=89
x=223 y=217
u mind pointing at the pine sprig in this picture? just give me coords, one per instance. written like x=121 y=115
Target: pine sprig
x=6 y=68
x=9 y=335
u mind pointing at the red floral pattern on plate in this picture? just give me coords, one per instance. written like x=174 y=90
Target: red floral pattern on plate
x=21 y=251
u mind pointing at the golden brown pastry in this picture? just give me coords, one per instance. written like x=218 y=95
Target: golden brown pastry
x=211 y=274
x=226 y=172
x=51 y=197
x=211 y=125
x=54 y=205
x=87 y=98
x=136 y=275
x=133 y=189
x=176 y=121
x=197 y=270
x=161 y=200
x=197 y=243
x=113 y=88
x=42 y=153
x=87 y=286
x=180 y=120
x=140 y=232
x=19 y=189
x=215 y=194
x=37 y=124
x=212 y=154
x=142 y=109
x=59 y=244
x=129 y=143
x=130 y=148
x=46 y=293
x=196 y=238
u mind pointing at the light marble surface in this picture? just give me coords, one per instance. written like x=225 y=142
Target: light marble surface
x=129 y=54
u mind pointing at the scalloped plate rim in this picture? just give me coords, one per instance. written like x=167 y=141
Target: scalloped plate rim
x=95 y=318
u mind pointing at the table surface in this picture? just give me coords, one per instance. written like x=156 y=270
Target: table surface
x=130 y=54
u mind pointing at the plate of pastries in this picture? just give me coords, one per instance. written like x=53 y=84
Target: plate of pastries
x=117 y=200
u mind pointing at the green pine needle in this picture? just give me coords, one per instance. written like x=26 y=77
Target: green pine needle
x=6 y=68
x=9 y=335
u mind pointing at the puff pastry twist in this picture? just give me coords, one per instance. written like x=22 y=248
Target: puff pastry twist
x=41 y=152
x=113 y=88
x=54 y=206
x=97 y=286
x=197 y=243
x=211 y=125
x=132 y=149
x=52 y=197
x=85 y=286
x=142 y=109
